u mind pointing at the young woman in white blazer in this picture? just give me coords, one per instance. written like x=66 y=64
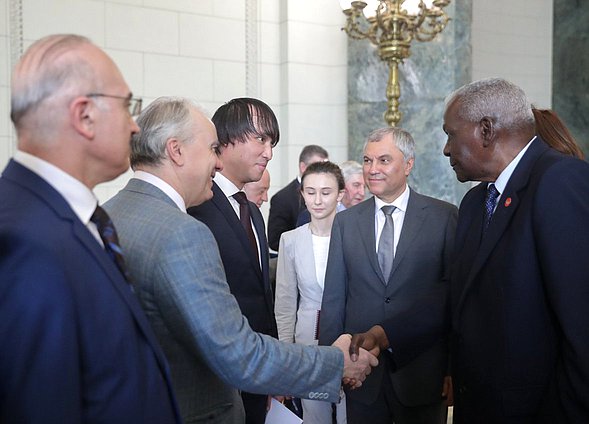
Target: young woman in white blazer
x=300 y=273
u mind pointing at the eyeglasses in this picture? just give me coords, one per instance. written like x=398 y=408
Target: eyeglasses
x=134 y=102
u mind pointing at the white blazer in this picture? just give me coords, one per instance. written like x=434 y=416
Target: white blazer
x=297 y=285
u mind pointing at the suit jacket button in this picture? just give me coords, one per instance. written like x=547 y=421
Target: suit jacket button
x=387 y=300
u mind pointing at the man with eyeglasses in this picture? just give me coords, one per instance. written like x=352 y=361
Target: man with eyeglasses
x=75 y=343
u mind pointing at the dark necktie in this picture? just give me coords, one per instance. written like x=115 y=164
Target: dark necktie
x=386 y=242
x=109 y=237
x=246 y=222
x=490 y=202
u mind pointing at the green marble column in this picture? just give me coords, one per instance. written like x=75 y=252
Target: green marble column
x=434 y=69
x=570 y=67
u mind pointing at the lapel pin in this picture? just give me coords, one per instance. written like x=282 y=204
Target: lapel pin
x=507 y=201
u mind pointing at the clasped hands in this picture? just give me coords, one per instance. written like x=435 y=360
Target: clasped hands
x=364 y=345
x=355 y=369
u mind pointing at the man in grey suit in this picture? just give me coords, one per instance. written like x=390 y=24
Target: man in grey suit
x=178 y=275
x=389 y=255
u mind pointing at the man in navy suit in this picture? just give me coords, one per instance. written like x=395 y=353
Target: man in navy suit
x=75 y=345
x=520 y=281
x=247 y=130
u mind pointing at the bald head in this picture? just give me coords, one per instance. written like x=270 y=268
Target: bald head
x=52 y=66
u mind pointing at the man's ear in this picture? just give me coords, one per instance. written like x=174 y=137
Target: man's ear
x=174 y=151
x=409 y=166
x=487 y=130
x=83 y=114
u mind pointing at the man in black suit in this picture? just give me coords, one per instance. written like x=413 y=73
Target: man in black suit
x=287 y=203
x=247 y=130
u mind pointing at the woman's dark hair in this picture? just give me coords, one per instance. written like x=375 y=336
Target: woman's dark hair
x=553 y=131
x=325 y=168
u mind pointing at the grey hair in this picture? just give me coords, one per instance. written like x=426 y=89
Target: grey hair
x=402 y=139
x=502 y=101
x=164 y=118
x=349 y=168
x=47 y=69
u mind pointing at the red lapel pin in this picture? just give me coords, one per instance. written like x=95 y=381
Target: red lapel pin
x=507 y=201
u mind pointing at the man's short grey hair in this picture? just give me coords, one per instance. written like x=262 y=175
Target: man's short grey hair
x=49 y=68
x=350 y=168
x=164 y=118
x=502 y=101
x=402 y=139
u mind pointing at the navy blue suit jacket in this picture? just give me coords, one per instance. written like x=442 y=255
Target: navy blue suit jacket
x=75 y=345
x=520 y=297
x=248 y=283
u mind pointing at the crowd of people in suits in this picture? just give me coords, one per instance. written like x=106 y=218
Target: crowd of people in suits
x=159 y=306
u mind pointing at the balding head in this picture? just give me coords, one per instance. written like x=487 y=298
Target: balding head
x=70 y=107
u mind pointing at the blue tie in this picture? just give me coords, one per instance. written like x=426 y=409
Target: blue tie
x=109 y=237
x=490 y=202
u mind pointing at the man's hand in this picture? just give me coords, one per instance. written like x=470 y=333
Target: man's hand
x=374 y=340
x=355 y=372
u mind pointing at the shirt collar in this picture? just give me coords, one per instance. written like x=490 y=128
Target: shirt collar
x=79 y=197
x=399 y=203
x=163 y=186
x=505 y=175
x=226 y=186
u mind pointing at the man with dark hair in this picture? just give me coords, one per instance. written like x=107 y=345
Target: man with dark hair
x=287 y=204
x=75 y=345
x=247 y=131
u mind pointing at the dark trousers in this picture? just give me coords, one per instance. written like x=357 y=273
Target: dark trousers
x=387 y=409
x=255 y=407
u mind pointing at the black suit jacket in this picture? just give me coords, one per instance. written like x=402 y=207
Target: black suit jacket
x=75 y=345
x=249 y=284
x=285 y=207
x=520 y=297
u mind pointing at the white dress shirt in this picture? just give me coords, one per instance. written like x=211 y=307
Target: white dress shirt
x=79 y=197
x=163 y=186
x=505 y=175
x=229 y=189
x=398 y=216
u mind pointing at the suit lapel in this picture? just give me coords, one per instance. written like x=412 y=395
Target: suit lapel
x=414 y=217
x=304 y=241
x=51 y=197
x=259 y=225
x=507 y=206
x=222 y=203
x=366 y=229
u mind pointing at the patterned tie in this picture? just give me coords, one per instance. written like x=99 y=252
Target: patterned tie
x=246 y=222
x=490 y=202
x=109 y=237
x=386 y=243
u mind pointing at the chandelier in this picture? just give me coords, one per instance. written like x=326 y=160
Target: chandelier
x=391 y=25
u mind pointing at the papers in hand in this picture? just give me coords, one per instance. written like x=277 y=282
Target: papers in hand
x=280 y=414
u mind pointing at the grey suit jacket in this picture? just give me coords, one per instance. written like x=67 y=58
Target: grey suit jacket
x=356 y=295
x=174 y=262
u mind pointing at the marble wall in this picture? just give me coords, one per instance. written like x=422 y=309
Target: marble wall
x=434 y=70
x=570 y=75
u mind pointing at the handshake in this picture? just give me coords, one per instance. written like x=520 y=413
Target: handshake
x=360 y=352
